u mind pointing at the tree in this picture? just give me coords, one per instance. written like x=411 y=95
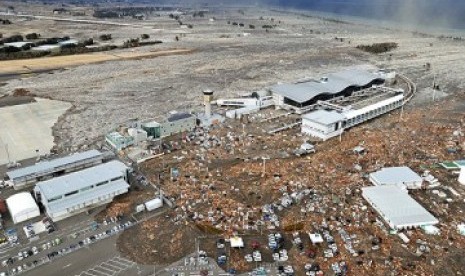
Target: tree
x=33 y=36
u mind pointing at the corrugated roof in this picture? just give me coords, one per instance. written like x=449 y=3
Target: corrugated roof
x=336 y=83
x=324 y=117
x=397 y=207
x=101 y=191
x=178 y=116
x=45 y=167
x=81 y=179
x=395 y=175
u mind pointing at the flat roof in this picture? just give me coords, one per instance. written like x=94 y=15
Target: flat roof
x=335 y=83
x=397 y=207
x=178 y=116
x=395 y=175
x=100 y=191
x=49 y=166
x=81 y=179
x=324 y=116
x=349 y=114
x=17 y=44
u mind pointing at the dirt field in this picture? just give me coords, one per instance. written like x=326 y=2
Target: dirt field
x=59 y=62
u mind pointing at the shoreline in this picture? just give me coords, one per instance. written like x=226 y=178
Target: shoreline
x=384 y=23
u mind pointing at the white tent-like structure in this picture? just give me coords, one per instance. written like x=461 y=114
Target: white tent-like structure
x=22 y=207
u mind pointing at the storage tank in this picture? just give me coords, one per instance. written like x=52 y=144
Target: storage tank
x=153 y=204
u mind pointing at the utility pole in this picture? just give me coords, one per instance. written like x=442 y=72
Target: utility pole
x=264 y=166
x=7 y=153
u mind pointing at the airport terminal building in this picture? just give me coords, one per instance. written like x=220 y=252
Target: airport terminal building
x=299 y=96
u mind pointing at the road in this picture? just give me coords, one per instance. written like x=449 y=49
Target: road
x=98 y=259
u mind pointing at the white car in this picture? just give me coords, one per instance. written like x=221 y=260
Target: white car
x=257 y=256
x=248 y=258
x=35 y=250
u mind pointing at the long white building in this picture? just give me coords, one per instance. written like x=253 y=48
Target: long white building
x=325 y=124
x=44 y=170
x=80 y=191
x=397 y=208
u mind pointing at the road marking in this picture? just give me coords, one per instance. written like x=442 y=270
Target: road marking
x=67 y=265
x=113 y=267
x=104 y=270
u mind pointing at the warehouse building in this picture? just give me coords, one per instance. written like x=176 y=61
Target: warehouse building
x=325 y=124
x=175 y=123
x=297 y=96
x=81 y=191
x=397 y=208
x=26 y=176
x=22 y=207
x=402 y=177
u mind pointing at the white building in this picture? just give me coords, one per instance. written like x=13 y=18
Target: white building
x=22 y=207
x=397 y=208
x=47 y=169
x=402 y=177
x=324 y=124
x=81 y=191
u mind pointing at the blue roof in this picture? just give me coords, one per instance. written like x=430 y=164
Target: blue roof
x=179 y=116
x=50 y=166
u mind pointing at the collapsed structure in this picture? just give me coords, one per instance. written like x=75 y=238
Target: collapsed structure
x=397 y=208
x=27 y=176
x=80 y=191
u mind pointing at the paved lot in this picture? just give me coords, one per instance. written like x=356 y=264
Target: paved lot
x=27 y=128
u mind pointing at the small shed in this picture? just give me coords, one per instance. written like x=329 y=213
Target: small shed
x=22 y=207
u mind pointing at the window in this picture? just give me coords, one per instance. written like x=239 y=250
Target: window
x=101 y=183
x=87 y=188
x=54 y=199
x=72 y=193
x=116 y=178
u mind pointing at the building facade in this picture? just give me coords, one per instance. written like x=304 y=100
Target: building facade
x=81 y=191
x=324 y=124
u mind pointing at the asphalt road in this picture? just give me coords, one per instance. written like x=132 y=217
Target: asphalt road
x=98 y=259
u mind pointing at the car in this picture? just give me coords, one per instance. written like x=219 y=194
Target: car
x=81 y=243
x=25 y=254
x=19 y=269
x=35 y=250
x=2 y=274
x=4 y=262
x=20 y=256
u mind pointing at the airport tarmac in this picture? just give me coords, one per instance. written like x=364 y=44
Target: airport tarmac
x=27 y=128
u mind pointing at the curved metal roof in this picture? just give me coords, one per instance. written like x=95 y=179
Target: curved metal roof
x=336 y=83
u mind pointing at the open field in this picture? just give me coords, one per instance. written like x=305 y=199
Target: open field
x=60 y=62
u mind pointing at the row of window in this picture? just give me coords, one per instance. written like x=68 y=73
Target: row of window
x=373 y=113
x=94 y=201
